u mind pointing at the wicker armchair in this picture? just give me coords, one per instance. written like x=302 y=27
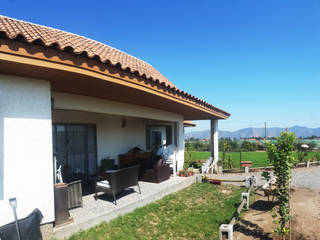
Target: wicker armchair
x=117 y=180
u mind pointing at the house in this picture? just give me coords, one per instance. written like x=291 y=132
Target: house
x=79 y=100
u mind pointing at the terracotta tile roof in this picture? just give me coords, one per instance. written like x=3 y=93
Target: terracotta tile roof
x=31 y=33
x=49 y=36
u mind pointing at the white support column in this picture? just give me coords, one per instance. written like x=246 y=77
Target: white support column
x=180 y=145
x=174 y=165
x=214 y=140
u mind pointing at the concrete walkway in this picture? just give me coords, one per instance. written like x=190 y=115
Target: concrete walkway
x=95 y=212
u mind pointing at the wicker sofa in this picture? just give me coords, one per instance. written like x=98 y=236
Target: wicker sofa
x=117 y=180
x=158 y=173
x=152 y=168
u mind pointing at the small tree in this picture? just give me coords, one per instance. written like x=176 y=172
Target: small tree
x=228 y=163
x=225 y=147
x=246 y=145
x=188 y=152
x=282 y=158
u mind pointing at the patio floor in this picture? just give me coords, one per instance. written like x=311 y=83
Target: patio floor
x=95 y=212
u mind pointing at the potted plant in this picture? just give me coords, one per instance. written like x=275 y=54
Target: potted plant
x=190 y=171
x=205 y=179
x=182 y=173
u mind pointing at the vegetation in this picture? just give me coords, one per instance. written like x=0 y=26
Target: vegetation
x=193 y=213
x=259 y=159
x=316 y=157
x=233 y=150
x=282 y=158
x=245 y=145
x=301 y=155
x=225 y=144
x=266 y=175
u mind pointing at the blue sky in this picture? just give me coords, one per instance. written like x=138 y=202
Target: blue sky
x=258 y=60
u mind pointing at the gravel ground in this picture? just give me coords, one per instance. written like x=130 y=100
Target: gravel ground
x=301 y=177
x=307 y=177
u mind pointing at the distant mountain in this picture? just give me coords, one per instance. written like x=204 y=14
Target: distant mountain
x=299 y=131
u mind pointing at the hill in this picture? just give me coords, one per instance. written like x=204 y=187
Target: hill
x=299 y=131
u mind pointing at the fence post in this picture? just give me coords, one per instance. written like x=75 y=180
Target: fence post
x=226 y=229
x=246 y=195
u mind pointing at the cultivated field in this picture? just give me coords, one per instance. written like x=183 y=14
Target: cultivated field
x=259 y=159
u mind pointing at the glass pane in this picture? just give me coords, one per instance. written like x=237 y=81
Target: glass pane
x=156 y=138
x=76 y=147
x=75 y=150
x=92 y=156
x=60 y=148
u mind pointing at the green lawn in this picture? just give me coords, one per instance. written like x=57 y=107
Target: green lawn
x=259 y=159
x=195 y=212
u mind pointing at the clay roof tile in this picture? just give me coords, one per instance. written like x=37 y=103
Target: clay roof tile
x=49 y=36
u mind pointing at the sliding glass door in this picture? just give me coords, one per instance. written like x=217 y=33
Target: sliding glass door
x=74 y=147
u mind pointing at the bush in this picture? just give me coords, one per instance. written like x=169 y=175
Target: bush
x=316 y=157
x=301 y=155
x=227 y=163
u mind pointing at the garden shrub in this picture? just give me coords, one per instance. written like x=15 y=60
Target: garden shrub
x=281 y=156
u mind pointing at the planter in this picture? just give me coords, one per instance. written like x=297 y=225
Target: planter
x=74 y=194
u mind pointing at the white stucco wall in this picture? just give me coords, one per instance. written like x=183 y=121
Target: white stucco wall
x=111 y=138
x=90 y=104
x=25 y=147
x=26 y=168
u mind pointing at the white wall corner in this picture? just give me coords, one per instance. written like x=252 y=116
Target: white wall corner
x=26 y=147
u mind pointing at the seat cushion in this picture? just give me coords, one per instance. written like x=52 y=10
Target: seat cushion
x=104 y=183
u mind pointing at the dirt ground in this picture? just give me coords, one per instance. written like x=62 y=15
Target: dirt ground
x=305 y=209
x=258 y=222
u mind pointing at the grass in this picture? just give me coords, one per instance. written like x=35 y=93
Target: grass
x=195 y=212
x=259 y=159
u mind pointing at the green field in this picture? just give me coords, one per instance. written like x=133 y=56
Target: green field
x=259 y=159
x=195 y=212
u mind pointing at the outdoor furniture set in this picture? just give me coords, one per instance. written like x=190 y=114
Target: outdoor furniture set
x=135 y=165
